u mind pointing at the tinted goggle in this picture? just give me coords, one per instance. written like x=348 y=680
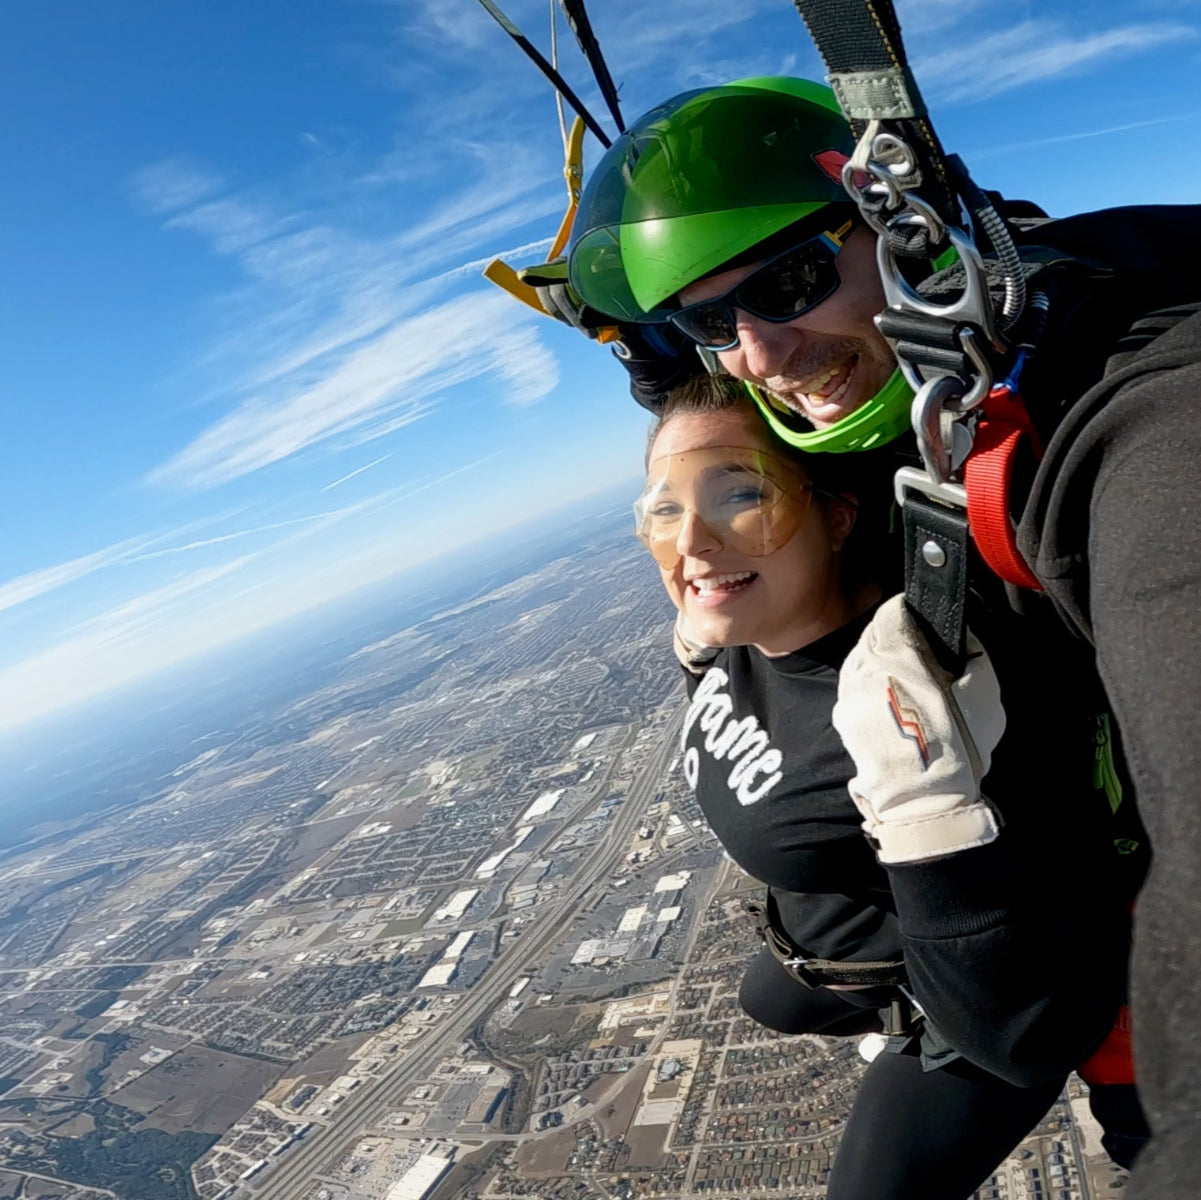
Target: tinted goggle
x=747 y=499
x=782 y=289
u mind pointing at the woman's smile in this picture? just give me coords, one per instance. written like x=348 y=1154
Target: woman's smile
x=715 y=591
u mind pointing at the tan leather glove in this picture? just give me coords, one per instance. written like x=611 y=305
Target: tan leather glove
x=921 y=741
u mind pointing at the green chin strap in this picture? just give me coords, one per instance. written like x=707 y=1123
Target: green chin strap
x=874 y=423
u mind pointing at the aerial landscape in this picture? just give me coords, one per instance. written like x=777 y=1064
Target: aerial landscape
x=352 y=843
x=449 y=926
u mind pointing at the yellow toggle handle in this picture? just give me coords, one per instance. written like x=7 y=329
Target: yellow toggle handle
x=500 y=273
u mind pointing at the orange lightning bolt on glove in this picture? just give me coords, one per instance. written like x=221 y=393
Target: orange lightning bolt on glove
x=921 y=740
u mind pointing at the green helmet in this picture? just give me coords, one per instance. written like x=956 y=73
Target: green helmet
x=700 y=180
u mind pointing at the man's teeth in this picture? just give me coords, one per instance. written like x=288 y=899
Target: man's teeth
x=711 y=583
x=819 y=384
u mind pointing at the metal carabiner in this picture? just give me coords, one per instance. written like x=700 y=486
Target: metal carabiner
x=926 y=415
x=973 y=306
x=983 y=378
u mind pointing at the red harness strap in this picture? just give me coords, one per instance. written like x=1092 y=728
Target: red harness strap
x=988 y=474
x=1112 y=1061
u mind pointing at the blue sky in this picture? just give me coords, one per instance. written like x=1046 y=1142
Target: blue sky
x=248 y=364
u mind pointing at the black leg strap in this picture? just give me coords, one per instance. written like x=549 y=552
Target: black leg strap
x=936 y=540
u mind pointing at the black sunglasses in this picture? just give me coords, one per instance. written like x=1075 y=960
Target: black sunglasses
x=780 y=290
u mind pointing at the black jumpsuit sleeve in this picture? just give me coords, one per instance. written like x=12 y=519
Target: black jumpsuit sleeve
x=1024 y=991
x=1018 y=950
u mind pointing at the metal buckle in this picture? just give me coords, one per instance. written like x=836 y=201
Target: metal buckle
x=911 y=479
x=973 y=307
x=799 y=967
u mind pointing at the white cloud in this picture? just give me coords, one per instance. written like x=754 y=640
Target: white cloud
x=1031 y=52
x=174 y=183
x=33 y=584
x=115 y=647
x=130 y=620
x=1081 y=135
x=318 y=519
x=656 y=38
x=356 y=471
x=235 y=225
x=38 y=583
x=928 y=16
x=381 y=382
x=339 y=335
x=519 y=256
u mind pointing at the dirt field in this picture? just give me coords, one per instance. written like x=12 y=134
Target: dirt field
x=80 y=1125
x=403 y=928
x=41 y=1189
x=614 y=1118
x=315 y=838
x=648 y=1146
x=233 y=985
x=199 y=1090
x=547 y=1155
x=406 y=815
x=329 y=1062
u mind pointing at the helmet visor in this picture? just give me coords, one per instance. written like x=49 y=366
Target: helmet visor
x=746 y=499
x=695 y=183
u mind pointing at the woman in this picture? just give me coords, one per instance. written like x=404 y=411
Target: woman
x=1014 y=951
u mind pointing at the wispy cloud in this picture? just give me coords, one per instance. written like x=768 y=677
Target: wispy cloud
x=346 y=335
x=1031 y=52
x=1081 y=135
x=520 y=255
x=920 y=17
x=48 y=579
x=221 y=539
x=386 y=380
x=112 y=648
x=129 y=620
x=429 y=484
x=174 y=183
x=356 y=471
x=34 y=584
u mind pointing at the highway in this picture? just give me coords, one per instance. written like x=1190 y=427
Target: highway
x=325 y=1145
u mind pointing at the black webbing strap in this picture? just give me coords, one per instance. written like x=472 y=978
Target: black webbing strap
x=936 y=559
x=860 y=43
x=581 y=26
x=557 y=81
x=818 y=972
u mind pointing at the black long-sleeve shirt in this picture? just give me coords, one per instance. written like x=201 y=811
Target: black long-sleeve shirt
x=1016 y=950
x=1111 y=527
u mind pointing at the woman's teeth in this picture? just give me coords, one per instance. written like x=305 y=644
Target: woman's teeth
x=722 y=583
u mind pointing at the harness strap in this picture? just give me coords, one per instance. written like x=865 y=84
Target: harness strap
x=988 y=475
x=819 y=972
x=860 y=43
x=1113 y=1061
x=936 y=560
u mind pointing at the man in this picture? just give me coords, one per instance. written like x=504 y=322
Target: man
x=717 y=222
